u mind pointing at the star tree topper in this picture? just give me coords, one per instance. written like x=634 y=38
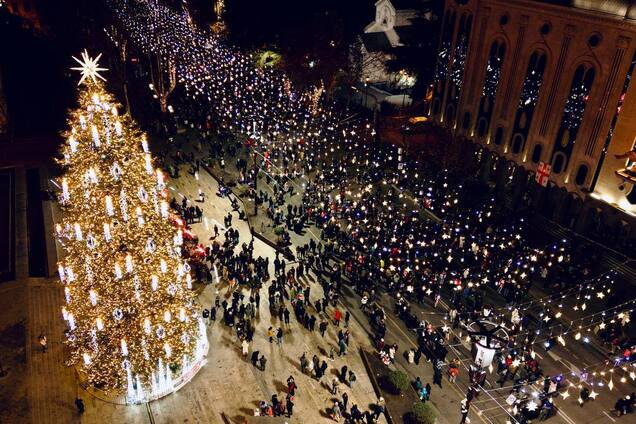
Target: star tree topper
x=89 y=67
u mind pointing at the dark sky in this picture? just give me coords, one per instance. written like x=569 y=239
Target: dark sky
x=37 y=82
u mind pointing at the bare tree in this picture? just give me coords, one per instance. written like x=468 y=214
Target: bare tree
x=120 y=41
x=163 y=74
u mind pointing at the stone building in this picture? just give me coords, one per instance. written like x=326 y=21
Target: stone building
x=535 y=82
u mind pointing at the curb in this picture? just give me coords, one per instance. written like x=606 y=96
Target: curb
x=376 y=385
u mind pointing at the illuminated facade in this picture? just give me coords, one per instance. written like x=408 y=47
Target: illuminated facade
x=545 y=83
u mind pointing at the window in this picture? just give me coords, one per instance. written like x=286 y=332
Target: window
x=517 y=143
x=581 y=175
x=528 y=99
x=557 y=162
x=545 y=28
x=481 y=128
x=450 y=113
x=466 y=122
x=498 y=136
x=536 y=153
x=594 y=40
x=573 y=112
x=503 y=20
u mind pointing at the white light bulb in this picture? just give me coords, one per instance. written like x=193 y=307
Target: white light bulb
x=109 y=206
x=92 y=294
x=149 y=169
x=107 y=234
x=95 y=135
x=65 y=193
x=140 y=216
x=78 y=231
x=154 y=282
x=99 y=323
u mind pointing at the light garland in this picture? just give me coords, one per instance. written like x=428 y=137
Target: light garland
x=108 y=311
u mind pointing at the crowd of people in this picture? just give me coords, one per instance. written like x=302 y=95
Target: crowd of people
x=385 y=222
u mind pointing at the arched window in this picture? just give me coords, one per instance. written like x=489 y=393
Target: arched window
x=492 y=77
x=458 y=65
x=558 y=162
x=517 y=143
x=536 y=153
x=481 y=127
x=443 y=55
x=528 y=99
x=573 y=112
x=466 y=122
x=498 y=136
x=581 y=175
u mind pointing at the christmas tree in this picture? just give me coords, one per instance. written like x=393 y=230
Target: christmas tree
x=133 y=324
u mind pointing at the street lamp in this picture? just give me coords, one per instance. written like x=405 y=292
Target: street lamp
x=487 y=338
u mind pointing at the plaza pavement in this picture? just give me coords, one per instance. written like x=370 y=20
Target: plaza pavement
x=226 y=384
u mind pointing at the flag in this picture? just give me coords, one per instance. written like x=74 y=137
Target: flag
x=543 y=174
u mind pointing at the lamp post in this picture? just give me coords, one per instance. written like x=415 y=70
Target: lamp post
x=487 y=338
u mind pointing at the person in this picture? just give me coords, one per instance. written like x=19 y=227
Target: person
x=621 y=406
x=428 y=391
x=379 y=408
x=279 y=336
x=422 y=394
x=345 y=401
x=584 y=395
x=303 y=363
x=290 y=406
x=254 y=357
x=437 y=372
x=347 y=318
x=262 y=362
x=335 y=412
x=453 y=370
x=322 y=328
x=352 y=378
x=335 y=383
x=343 y=373
x=546 y=410
x=343 y=347
x=411 y=356
x=291 y=386
x=464 y=412
x=418 y=384
x=80 y=405
x=337 y=316
x=270 y=334
x=43 y=342
x=245 y=346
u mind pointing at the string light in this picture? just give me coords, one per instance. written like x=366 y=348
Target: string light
x=109 y=340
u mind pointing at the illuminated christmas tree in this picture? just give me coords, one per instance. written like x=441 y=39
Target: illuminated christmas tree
x=133 y=324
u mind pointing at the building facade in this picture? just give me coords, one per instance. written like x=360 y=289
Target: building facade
x=534 y=82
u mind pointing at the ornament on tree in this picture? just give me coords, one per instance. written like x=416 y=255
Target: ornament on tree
x=111 y=314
